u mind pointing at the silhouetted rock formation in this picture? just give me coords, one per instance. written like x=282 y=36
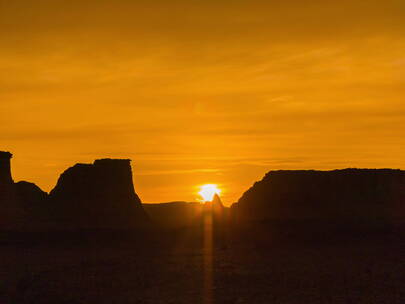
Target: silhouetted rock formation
x=216 y=201
x=10 y=213
x=34 y=203
x=5 y=168
x=349 y=194
x=87 y=196
x=174 y=214
x=20 y=203
x=215 y=205
x=98 y=195
x=30 y=195
x=183 y=214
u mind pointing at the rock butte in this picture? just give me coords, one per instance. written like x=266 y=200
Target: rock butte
x=347 y=194
x=87 y=196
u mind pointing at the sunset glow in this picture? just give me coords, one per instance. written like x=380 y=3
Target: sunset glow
x=200 y=90
x=208 y=152
x=208 y=191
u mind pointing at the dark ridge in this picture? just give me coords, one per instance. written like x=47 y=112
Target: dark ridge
x=185 y=214
x=30 y=194
x=174 y=214
x=99 y=195
x=87 y=196
x=347 y=194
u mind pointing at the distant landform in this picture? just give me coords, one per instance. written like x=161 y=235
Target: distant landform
x=351 y=194
x=184 y=214
x=87 y=196
x=101 y=195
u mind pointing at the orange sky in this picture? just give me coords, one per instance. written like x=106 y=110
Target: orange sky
x=199 y=92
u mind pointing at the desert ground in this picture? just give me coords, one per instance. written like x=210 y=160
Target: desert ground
x=179 y=267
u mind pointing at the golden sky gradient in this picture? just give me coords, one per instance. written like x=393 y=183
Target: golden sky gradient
x=198 y=92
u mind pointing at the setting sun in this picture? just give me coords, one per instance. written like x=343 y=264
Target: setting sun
x=208 y=191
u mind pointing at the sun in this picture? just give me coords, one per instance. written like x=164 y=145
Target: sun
x=208 y=191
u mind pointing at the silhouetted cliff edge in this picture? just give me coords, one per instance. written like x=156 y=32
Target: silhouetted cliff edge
x=98 y=195
x=338 y=195
x=21 y=202
x=10 y=212
x=87 y=196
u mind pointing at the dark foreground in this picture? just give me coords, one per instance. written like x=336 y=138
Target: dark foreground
x=182 y=267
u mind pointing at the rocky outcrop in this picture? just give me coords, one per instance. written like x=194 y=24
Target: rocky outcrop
x=174 y=214
x=5 y=168
x=22 y=203
x=30 y=195
x=10 y=213
x=348 y=194
x=185 y=214
x=98 y=195
x=87 y=196
x=215 y=207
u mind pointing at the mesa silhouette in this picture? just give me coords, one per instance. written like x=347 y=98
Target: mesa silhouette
x=87 y=196
x=321 y=202
x=102 y=196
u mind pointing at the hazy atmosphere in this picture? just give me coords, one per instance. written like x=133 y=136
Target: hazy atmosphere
x=198 y=92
